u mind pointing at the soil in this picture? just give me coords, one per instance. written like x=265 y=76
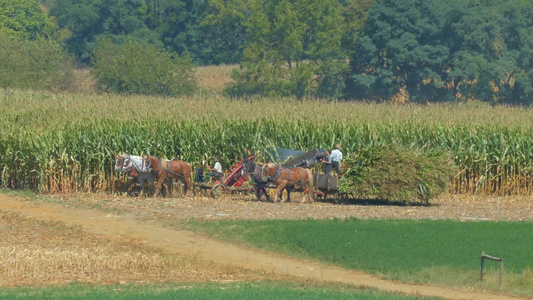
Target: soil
x=463 y=208
x=130 y=215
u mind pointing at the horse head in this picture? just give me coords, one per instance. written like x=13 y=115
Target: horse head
x=248 y=166
x=268 y=171
x=147 y=163
x=119 y=162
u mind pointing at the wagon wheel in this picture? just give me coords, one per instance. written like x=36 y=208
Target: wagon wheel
x=217 y=190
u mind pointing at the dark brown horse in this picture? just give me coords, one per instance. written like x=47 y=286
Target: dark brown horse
x=164 y=168
x=260 y=186
x=289 y=178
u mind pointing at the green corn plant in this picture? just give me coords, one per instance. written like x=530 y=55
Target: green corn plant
x=56 y=143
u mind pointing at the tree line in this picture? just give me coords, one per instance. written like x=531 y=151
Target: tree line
x=417 y=50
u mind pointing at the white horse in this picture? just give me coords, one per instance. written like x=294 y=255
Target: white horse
x=134 y=166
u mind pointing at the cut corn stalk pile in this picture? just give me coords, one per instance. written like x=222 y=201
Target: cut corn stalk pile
x=65 y=143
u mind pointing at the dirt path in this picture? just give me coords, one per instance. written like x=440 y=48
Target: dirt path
x=188 y=243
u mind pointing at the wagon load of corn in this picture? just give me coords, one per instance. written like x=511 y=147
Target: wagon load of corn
x=395 y=173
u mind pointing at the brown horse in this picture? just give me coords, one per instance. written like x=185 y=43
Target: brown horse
x=164 y=168
x=289 y=178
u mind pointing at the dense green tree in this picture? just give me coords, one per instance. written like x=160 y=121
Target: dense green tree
x=520 y=43
x=404 y=46
x=292 y=48
x=225 y=29
x=355 y=14
x=141 y=68
x=495 y=57
x=179 y=25
x=188 y=28
x=40 y=63
x=25 y=19
x=119 y=20
x=436 y=51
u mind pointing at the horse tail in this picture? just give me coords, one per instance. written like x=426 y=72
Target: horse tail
x=310 y=185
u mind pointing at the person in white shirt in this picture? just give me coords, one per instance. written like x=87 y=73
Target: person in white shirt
x=335 y=159
x=216 y=170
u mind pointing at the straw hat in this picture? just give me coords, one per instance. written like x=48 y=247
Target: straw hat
x=338 y=146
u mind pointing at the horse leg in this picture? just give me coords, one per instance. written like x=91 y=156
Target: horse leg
x=186 y=186
x=258 y=193
x=279 y=190
x=141 y=189
x=310 y=187
x=161 y=179
x=305 y=194
x=128 y=185
x=277 y=196
x=266 y=194
x=169 y=183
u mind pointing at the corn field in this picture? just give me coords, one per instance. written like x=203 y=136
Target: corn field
x=66 y=142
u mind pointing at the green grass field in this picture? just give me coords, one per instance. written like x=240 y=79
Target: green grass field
x=231 y=291
x=440 y=252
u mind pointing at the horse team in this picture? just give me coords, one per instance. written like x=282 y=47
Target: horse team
x=148 y=168
x=164 y=171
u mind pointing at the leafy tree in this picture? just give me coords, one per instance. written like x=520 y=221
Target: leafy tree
x=177 y=25
x=293 y=48
x=434 y=50
x=495 y=56
x=141 y=68
x=226 y=29
x=355 y=15
x=90 y=20
x=36 y=64
x=180 y=25
x=403 y=46
x=25 y=19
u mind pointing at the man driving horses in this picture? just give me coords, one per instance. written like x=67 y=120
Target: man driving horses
x=216 y=170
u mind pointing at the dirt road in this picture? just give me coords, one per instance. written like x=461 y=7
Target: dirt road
x=191 y=244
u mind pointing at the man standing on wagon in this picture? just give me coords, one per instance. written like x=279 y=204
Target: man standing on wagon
x=335 y=158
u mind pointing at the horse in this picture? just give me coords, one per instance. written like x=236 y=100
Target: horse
x=171 y=169
x=132 y=165
x=250 y=167
x=289 y=178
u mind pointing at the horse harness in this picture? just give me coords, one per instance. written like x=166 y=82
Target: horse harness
x=131 y=164
x=149 y=166
x=279 y=170
x=170 y=171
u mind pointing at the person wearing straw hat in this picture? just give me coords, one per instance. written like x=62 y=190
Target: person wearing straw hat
x=335 y=158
